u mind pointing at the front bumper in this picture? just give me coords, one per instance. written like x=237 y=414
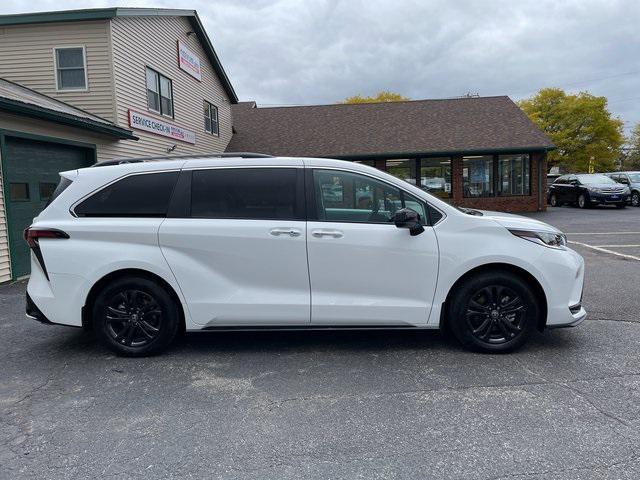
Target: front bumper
x=607 y=198
x=573 y=319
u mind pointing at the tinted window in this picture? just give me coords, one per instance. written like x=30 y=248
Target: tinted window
x=349 y=197
x=62 y=186
x=435 y=215
x=247 y=193
x=143 y=195
x=46 y=190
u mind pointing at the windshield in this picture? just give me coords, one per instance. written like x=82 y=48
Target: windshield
x=595 y=179
x=634 y=177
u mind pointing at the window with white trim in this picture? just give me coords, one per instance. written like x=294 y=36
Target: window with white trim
x=159 y=93
x=70 y=68
x=211 y=124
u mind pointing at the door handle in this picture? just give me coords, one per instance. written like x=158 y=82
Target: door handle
x=327 y=233
x=292 y=232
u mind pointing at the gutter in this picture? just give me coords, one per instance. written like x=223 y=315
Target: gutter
x=34 y=111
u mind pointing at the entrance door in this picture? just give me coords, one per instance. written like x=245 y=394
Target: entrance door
x=363 y=269
x=30 y=170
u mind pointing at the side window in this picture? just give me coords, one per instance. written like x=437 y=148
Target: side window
x=416 y=205
x=349 y=197
x=248 y=193
x=159 y=93
x=211 y=119
x=140 y=195
x=70 y=68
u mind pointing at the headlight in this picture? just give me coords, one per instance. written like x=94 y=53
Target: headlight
x=594 y=189
x=548 y=239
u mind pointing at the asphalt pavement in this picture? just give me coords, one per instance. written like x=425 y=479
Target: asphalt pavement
x=345 y=405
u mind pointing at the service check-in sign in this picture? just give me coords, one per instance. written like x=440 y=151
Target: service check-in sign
x=140 y=121
x=189 y=61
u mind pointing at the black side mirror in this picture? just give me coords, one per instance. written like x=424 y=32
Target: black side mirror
x=407 y=218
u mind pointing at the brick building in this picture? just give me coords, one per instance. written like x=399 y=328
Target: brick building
x=476 y=152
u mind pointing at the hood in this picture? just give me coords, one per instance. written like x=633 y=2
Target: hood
x=605 y=186
x=512 y=221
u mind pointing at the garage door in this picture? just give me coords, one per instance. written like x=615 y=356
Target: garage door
x=30 y=171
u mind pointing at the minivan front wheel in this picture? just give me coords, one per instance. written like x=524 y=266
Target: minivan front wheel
x=493 y=312
x=134 y=316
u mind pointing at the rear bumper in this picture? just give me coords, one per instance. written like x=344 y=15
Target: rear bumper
x=34 y=313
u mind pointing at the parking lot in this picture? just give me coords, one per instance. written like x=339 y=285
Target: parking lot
x=339 y=405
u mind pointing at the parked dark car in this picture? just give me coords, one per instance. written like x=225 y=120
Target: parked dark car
x=585 y=190
x=631 y=180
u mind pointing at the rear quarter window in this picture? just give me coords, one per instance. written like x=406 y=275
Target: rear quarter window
x=139 y=195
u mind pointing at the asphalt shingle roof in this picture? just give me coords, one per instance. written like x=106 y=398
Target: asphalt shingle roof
x=410 y=127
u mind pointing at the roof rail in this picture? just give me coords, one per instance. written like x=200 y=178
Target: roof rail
x=122 y=161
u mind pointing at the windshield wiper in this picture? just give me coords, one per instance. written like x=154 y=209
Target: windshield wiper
x=471 y=211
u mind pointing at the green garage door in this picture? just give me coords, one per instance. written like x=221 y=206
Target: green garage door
x=30 y=171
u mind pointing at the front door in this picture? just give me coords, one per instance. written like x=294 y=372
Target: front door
x=239 y=254
x=363 y=269
x=31 y=175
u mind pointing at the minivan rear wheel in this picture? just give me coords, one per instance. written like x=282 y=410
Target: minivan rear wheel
x=134 y=316
x=493 y=312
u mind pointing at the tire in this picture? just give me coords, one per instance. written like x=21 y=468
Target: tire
x=554 y=200
x=583 y=201
x=135 y=316
x=635 y=199
x=477 y=315
x=621 y=205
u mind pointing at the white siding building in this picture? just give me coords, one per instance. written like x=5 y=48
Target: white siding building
x=127 y=96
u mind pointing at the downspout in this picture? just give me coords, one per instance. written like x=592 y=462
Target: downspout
x=540 y=193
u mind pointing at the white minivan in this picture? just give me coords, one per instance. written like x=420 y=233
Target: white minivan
x=140 y=251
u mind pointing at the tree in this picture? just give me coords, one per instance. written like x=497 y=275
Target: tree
x=631 y=159
x=580 y=126
x=382 y=96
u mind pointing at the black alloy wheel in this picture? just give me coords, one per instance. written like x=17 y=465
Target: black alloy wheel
x=495 y=314
x=135 y=316
x=493 y=311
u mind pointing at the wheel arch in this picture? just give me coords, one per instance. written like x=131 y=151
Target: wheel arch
x=126 y=272
x=499 y=267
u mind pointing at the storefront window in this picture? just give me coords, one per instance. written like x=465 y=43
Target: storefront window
x=435 y=176
x=404 y=169
x=514 y=175
x=477 y=176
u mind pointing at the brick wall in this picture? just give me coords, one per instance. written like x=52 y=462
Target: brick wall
x=527 y=203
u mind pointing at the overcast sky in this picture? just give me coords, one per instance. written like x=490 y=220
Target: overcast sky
x=320 y=51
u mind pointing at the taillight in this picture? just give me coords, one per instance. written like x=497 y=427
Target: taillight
x=32 y=237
